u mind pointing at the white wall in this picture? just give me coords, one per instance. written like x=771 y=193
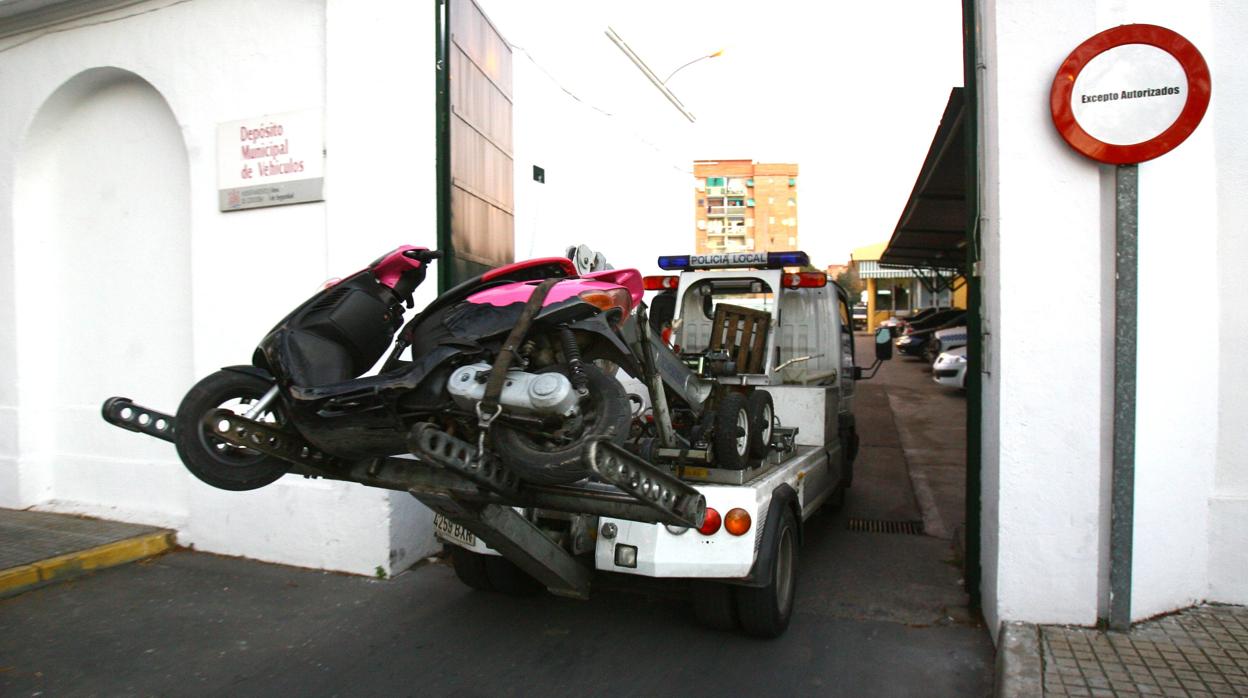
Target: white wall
x=1048 y=394
x=1228 y=513
x=209 y=62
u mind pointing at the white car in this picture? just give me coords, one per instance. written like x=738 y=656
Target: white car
x=950 y=368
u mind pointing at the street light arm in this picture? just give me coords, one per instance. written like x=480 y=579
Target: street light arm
x=699 y=58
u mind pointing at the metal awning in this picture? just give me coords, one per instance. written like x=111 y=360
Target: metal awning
x=931 y=233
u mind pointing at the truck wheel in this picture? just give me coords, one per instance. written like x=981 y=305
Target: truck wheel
x=212 y=460
x=713 y=605
x=509 y=579
x=765 y=611
x=731 y=441
x=762 y=416
x=470 y=568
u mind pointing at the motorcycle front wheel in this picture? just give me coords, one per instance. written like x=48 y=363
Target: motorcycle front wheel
x=212 y=460
x=546 y=459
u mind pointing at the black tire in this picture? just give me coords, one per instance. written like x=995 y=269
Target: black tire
x=762 y=416
x=508 y=579
x=208 y=458
x=470 y=568
x=731 y=441
x=607 y=412
x=713 y=605
x=765 y=611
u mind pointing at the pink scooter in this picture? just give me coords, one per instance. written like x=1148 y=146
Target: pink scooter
x=511 y=352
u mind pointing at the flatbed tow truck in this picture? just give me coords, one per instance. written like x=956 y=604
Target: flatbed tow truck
x=754 y=329
x=743 y=429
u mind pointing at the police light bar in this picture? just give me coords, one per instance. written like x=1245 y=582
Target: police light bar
x=769 y=260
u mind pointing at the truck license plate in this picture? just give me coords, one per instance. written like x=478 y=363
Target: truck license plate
x=449 y=529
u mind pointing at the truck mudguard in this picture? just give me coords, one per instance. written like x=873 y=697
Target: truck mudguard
x=760 y=573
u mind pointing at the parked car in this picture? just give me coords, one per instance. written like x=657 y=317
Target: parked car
x=944 y=340
x=897 y=324
x=950 y=368
x=860 y=317
x=917 y=334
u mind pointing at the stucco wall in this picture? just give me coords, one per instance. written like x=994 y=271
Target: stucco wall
x=1228 y=512
x=211 y=62
x=1048 y=396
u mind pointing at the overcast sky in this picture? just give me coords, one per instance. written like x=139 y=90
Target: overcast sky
x=852 y=92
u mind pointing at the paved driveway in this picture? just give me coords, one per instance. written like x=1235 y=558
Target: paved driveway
x=877 y=615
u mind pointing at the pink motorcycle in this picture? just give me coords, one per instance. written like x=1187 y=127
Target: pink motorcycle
x=516 y=354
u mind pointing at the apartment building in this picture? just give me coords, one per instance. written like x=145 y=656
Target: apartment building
x=742 y=205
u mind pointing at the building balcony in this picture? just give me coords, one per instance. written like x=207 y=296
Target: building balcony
x=725 y=211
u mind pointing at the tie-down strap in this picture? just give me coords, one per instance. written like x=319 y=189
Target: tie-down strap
x=498 y=372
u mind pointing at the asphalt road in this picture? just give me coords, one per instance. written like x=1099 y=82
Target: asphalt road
x=877 y=615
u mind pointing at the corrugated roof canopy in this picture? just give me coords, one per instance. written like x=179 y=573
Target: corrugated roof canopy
x=932 y=229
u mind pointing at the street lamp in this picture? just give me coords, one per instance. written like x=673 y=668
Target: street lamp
x=699 y=58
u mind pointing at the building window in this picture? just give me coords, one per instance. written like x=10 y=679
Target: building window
x=792 y=181
x=792 y=202
x=771 y=220
x=749 y=202
x=701 y=202
x=771 y=199
x=714 y=181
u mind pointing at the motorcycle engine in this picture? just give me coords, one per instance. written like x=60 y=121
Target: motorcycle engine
x=542 y=394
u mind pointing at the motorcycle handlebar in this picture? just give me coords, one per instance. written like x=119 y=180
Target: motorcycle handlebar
x=423 y=256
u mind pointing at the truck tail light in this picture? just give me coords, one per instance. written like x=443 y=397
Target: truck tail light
x=660 y=283
x=711 y=523
x=806 y=279
x=737 y=522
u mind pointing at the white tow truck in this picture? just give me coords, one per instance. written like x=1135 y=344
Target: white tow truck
x=761 y=426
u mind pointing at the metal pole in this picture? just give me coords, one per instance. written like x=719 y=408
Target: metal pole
x=1123 y=501
x=645 y=70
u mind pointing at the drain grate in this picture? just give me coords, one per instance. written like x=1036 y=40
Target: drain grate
x=912 y=528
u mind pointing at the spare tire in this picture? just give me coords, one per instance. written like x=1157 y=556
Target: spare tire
x=606 y=412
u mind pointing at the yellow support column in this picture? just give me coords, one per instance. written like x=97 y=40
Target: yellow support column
x=871 y=305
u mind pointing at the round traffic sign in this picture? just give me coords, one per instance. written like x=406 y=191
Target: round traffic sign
x=1130 y=94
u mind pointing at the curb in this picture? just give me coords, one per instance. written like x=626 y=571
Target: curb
x=16 y=580
x=1020 y=669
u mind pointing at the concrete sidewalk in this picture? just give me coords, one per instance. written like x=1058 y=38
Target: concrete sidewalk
x=38 y=548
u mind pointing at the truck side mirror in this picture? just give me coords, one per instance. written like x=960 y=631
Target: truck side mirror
x=883 y=344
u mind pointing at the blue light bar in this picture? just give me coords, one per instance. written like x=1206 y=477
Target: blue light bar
x=755 y=260
x=787 y=259
x=674 y=263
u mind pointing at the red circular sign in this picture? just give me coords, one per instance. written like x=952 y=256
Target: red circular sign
x=1193 y=110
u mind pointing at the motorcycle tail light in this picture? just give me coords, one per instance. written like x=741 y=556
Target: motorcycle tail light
x=608 y=298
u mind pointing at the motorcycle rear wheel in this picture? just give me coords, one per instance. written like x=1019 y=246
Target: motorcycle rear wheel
x=209 y=458
x=606 y=412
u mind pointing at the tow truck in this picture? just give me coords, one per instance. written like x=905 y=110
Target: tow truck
x=781 y=344
x=743 y=428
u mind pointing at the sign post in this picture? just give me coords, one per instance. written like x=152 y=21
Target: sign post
x=1126 y=95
